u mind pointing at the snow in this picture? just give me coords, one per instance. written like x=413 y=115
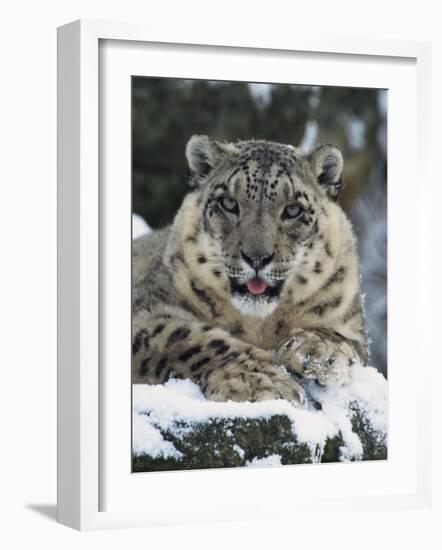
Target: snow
x=355 y=130
x=166 y=407
x=309 y=138
x=239 y=450
x=261 y=91
x=139 y=227
x=148 y=440
x=272 y=460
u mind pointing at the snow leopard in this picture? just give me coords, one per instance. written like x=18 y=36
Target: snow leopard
x=255 y=286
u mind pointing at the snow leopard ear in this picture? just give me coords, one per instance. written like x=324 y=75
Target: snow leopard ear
x=327 y=164
x=203 y=154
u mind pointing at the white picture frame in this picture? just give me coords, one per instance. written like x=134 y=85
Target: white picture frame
x=80 y=395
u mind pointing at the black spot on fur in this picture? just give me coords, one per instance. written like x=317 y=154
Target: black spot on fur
x=288 y=346
x=185 y=356
x=317 y=268
x=321 y=308
x=160 y=366
x=178 y=334
x=167 y=374
x=158 y=329
x=202 y=259
x=216 y=344
x=187 y=307
x=222 y=350
x=302 y=280
x=159 y=294
x=140 y=340
x=328 y=249
x=204 y=297
x=196 y=366
x=144 y=367
x=353 y=310
x=337 y=277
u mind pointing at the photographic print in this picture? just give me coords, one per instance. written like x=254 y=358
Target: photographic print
x=259 y=274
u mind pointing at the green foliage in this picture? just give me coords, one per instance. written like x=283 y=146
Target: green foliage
x=167 y=112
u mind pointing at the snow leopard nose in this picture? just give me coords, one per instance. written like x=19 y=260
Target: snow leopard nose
x=257 y=262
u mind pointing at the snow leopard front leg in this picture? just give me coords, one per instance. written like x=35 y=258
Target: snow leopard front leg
x=321 y=354
x=169 y=344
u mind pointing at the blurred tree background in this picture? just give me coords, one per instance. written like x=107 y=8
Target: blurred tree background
x=166 y=112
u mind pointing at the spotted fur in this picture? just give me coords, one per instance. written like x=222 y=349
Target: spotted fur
x=263 y=211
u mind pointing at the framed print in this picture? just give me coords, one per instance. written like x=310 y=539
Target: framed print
x=254 y=254
x=232 y=221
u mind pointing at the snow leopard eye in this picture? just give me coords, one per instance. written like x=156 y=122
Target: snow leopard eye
x=292 y=212
x=230 y=205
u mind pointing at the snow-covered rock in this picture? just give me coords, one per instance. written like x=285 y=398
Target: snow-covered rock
x=175 y=427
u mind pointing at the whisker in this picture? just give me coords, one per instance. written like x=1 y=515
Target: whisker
x=219 y=264
x=290 y=272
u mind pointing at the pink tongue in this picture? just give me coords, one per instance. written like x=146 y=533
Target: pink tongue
x=256 y=286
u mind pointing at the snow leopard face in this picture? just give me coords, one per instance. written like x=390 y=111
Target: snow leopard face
x=262 y=215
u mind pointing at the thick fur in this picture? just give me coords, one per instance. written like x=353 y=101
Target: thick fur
x=192 y=314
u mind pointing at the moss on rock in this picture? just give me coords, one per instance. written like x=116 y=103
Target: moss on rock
x=221 y=443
